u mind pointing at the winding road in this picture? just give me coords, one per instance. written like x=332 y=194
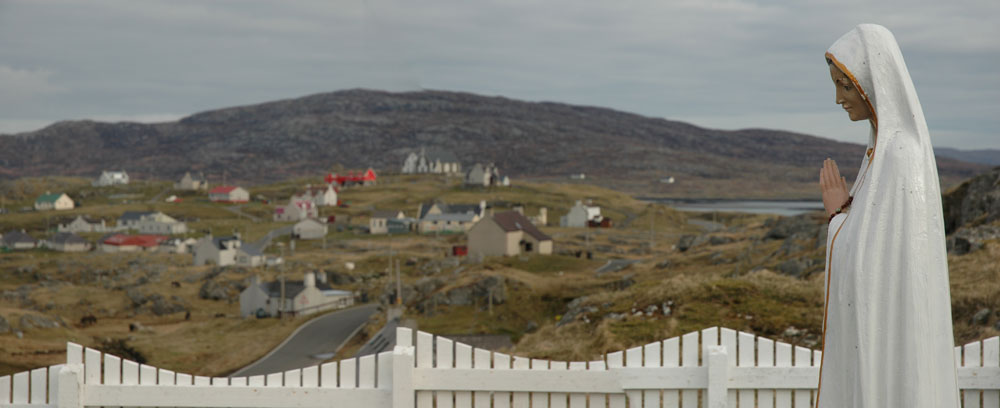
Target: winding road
x=314 y=342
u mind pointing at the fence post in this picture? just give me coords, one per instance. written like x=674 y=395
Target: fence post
x=403 y=395
x=718 y=377
x=70 y=386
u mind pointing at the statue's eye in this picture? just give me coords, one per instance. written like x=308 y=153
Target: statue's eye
x=847 y=87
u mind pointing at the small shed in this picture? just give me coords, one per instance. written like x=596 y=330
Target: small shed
x=310 y=228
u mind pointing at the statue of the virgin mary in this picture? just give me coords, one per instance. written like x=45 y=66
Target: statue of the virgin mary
x=887 y=326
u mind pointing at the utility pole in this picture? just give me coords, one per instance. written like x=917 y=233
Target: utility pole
x=281 y=305
x=399 y=286
x=652 y=235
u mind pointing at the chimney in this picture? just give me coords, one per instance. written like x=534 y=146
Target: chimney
x=310 y=280
x=321 y=277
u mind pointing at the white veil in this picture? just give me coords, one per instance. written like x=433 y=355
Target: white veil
x=887 y=323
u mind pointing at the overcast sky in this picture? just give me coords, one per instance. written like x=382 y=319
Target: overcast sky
x=714 y=63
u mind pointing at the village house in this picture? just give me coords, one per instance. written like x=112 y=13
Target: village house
x=379 y=221
x=507 y=234
x=192 y=182
x=131 y=243
x=580 y=215
x=151 y=222
x=83 y=224
x=485 y=176
x=438 y=217
x=309 y=228
x=296 y=210
x=67 y=242
x=431 y=161
x=224 y=251
x=281 y=297
x=110 y=178
x=321 y=197
x=177 y=245
x=53 y=201
x=228 y=194
x=18 y=240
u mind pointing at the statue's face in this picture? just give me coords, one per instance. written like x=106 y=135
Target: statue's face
x=849 y=96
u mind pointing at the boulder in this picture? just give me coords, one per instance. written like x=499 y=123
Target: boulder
x=136 y=296
x=982 y=316
x=969 y=239
x=4 y=326
x=689 y=241
x=797 y=267
x=974 y=202
x=799 y=226
x=212 y=290
x=161 y=306
x=28 y=322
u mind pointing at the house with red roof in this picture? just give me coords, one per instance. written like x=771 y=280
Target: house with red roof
x=131 y=243
x=228 y=194
x=360 y=178
x=507 y=234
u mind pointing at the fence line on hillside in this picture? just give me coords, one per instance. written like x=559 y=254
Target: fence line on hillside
x=710 y=368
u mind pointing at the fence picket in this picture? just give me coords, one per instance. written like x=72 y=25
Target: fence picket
x=727 y=339
x=746 y=358
x=327 y=375
x=53 y=383
x=424 y=359
x=481 y=361
x=652 y=356
x=803 y=357
x=384 y=363
x=310 y=377
x=972 y=353
x=671 y=358
x=558 y=399
x=578 y=400
x=366 y=371
x=501 y=362
x=259 y=381
x=207 y=381
x=220 y=381
x=633 y=359
x=20 y=388
x=5 y=389
x=74 y=353
x=444 y=358
x=689 y=358
x=539 y=399
x=188 y=379
x=616 y=360
x=147 y=375
x=521 y=399
x=234 y=381
x=130 y=372
x=293 y=379
x=349 y=373
x=991 y=358
x=463 y=359
x=765 y=358
x=112 y=370
x=273 y=380
x=164 y=377
x=39 y=380
x=782 y=358
x=92 y=366
x=597 y=400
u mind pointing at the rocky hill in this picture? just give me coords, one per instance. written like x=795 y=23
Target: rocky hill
x=361 y=128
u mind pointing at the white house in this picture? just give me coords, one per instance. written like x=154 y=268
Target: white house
x=507 y=234
x=296 y=210
x=83 y=224
x=192 y=182
x=67 y=242
x=440 y=217
x=18 y=240
x=321 y=197
x=229 y=194
x=486 y=176
x=110 y=178
x=310 y=228
x=177 y=245
x=580 y=214
x=379 y=221
x=431 y=161
x=279 y=297
x=225 y=251
x=53 y=201
x=151 y=222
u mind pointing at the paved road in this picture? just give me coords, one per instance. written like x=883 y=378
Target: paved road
x=314 y=342
x=237 y=209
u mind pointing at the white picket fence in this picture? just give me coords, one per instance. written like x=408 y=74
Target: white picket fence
x=711 y=368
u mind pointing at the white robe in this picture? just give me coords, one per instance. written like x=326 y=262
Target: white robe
x=887 y=322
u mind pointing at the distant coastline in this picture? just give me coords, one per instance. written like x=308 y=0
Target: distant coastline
x=785 y=207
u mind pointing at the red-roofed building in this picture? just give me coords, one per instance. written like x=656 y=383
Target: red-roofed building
x=365 y=178
x=228 y=194
x=131 y=243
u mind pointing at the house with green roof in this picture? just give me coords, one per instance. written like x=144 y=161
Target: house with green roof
x=53 y=201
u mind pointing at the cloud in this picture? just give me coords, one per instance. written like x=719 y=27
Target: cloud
x=19 y=84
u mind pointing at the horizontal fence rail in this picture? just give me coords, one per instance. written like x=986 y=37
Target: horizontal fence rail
x=714 y=368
